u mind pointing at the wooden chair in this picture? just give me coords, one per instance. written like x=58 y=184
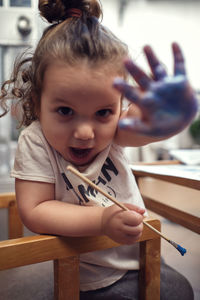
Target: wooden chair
x=15 y=226
x=65 y=251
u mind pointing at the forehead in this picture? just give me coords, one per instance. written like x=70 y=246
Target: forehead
x=75 y=85
x=79 y=77
x=82 y=70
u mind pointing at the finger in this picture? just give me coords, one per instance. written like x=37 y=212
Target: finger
x=179 y=64
x=141 y=128
x=138 y=74
x=132 y=218
x=157 y=68
x=132 y=230
x=127 y=90
x=160 y=129
x=135 y=208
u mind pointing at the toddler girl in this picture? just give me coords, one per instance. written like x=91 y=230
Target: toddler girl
x=73 y=113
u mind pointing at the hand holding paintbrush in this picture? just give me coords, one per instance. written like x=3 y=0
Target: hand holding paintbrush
x=85 y=179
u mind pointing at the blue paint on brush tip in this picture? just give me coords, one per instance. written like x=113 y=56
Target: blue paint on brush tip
x=178 y=247
x=181 y=250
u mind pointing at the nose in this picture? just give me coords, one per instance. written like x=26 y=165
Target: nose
x=84 y=132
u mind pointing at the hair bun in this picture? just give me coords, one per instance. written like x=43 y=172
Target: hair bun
x=55 y=11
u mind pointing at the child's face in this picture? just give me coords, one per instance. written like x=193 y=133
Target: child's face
x=79 y=111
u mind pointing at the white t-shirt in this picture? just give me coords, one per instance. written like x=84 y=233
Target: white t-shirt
x=36 y=160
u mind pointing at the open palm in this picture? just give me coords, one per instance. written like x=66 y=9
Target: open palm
x=167 y=103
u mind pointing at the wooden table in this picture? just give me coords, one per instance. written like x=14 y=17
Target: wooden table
x=191 y=180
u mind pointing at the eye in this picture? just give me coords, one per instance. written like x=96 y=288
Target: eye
x=104 y=113
x=65 y=111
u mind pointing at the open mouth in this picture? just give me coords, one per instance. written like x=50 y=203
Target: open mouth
x=80 y=153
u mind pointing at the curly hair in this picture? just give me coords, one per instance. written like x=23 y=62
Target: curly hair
x=69 y=39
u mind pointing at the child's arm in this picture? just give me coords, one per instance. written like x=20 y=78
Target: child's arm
x=41 y=214
x=167 y=104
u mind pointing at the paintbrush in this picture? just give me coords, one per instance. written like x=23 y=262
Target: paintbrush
x=97 y=188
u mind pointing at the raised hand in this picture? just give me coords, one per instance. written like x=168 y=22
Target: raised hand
x=167 y=103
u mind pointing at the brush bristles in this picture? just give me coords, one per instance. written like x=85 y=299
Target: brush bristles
x=178 y=247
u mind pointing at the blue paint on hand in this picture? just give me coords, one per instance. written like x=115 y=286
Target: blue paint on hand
x=167 y=103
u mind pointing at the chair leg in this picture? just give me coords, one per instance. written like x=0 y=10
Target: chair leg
x=15 y=224
x=149 y=276
x=66 y=278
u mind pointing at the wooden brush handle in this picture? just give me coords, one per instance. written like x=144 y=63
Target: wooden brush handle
x=92 y=184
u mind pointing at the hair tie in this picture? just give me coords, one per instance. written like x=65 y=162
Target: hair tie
x=74 y=12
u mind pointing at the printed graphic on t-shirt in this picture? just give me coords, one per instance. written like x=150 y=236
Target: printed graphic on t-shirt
x=87 y=195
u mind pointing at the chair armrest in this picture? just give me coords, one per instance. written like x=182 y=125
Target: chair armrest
x=39 y=248
x=65 y=251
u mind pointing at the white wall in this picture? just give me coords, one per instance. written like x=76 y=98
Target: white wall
x=159 y=23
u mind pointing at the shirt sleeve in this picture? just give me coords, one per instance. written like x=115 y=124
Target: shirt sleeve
x=33 y=159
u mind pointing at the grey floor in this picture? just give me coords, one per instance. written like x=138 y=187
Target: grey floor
x=188 y=265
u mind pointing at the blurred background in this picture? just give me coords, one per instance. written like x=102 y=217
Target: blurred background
x=136 y=22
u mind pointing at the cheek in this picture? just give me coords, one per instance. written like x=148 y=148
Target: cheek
x=59 y=134
x=54 y=134
x=108 y=132
x=57 y=142
x=50 y=136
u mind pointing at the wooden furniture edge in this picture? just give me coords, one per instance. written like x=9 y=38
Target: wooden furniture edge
x=39 y=248
x=173 y=214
